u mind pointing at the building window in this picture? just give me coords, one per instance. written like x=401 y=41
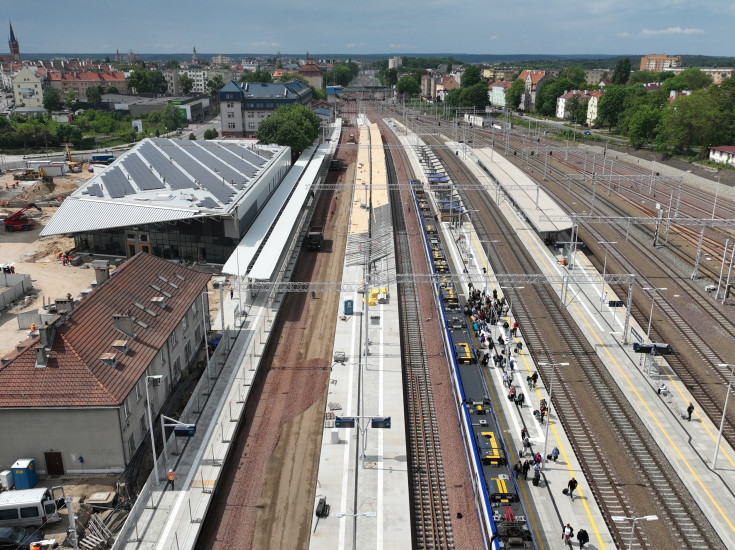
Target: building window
x=173 y=339
x=251 y=125
x=187 y=347
x=177 y=364
x=185 y=323
x=231 y=125
x=131 y=444
x=143 y=425
x=126 y=409
x=231 y=114
x=137 y=391
x=230 y=105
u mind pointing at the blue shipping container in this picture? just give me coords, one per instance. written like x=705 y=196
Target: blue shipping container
x=24 y=473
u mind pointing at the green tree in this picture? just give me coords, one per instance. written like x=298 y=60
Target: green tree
x=621 y=75
x=94 y=95
x=611 y=105
x=688 y=79
x=211 y=133
x=642 y=125
x=70 y=98
x=691 y=120
x=408 y=86
x=577 y=109
x=257 y=76
x=574 y=74
x=471 y=76
x=112 y=90
x=139 y=81
x=192 y=137
x=171 y=117
x=475 y=96
x=644 y=77
x=549 y=92
x=172 y=64
x=293 y=125
x=215 y=83
x=51 y=99
x=185 y=84
x=157 y=82
x=514 y=94
x=390 y=78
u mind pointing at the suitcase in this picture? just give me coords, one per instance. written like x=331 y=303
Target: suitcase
x=565 y=491
x=536 y=481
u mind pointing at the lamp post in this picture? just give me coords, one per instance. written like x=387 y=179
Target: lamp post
x=653 y=163
x=604 y=268
x=717 y=190
x=204 y=328
x=495 y=241
x=650 y=315
x=157 y=380
x=724 y=411
x=548 y=420
x=354 y=526
x=632 y=528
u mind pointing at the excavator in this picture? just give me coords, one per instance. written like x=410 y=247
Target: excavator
x=19 y=221
x=73 y=166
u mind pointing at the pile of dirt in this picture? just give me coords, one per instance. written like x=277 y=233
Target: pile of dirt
x=43 y=190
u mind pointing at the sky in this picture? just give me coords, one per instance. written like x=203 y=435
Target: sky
x=378 y=26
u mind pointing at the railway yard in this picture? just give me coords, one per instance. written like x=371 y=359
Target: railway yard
x=412 y=435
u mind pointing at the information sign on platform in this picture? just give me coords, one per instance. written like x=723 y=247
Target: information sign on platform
x=615 y=303
x=381 y=422
x=344 y=422
x=185 y=430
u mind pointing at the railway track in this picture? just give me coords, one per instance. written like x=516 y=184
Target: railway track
x=697 y=355
x=589 y=397
x=432 y=526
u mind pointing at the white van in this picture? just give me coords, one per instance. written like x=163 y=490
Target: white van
x=30 y=506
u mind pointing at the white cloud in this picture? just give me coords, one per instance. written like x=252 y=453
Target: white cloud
x=265 y=43
x=623 y=34
x=671 y=30
x=494 y=37
x=400 y=46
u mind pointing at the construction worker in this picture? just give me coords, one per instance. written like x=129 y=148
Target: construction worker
x=171 y=477
x=33 y=327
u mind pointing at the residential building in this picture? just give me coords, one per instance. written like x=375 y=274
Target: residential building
x=496 y=92
x=594 y=76
x=501 y=73
x=446 y=84
x=28 y=87
x=562 y=102
x=74 y=395
x=659 y=62
x=592 y=107
x=244 y=106
x=221 y=60
x=718 y=74
x=532 y=80
x=395 y=62
x=312 y=74
x=194 y=108
x=723 y=154
x=173 y=198
x=80 y=82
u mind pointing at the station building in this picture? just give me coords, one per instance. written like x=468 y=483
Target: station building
x=244 y=106
x=175 y=199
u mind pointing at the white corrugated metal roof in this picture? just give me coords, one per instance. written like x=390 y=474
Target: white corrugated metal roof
x=77 y=215
x=23 y=496
x=268 y=259
x=238 y=262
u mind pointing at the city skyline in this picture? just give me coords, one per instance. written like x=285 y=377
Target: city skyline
x=602 y=28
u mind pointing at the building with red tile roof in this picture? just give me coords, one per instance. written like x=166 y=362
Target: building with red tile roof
x=312 y=73
x=532 y=80
x=562 y=109
x=80 y=82
x=79 y=385
x=723 y=154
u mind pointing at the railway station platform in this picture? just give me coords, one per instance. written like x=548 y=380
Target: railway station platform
x=362 y=484
x=170 y=518
x=689 y=445
x=547 y=508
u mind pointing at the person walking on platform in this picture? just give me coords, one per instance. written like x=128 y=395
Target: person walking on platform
x=567 y=534
x=171 y=478
x=526 y=467
x=536 y=475
x=555 y=454
x=514 y=330
x=520 y=398
x=572 y=485
x=517 y=469
x=524 y=433
x=505 y=378
x=534 y=379
x=582 y=537
x=690 y=410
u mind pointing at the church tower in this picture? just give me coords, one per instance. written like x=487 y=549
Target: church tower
x=13 y=45
x=194 y=58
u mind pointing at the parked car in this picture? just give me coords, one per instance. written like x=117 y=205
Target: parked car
x=19 y=537
x=587 y=133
